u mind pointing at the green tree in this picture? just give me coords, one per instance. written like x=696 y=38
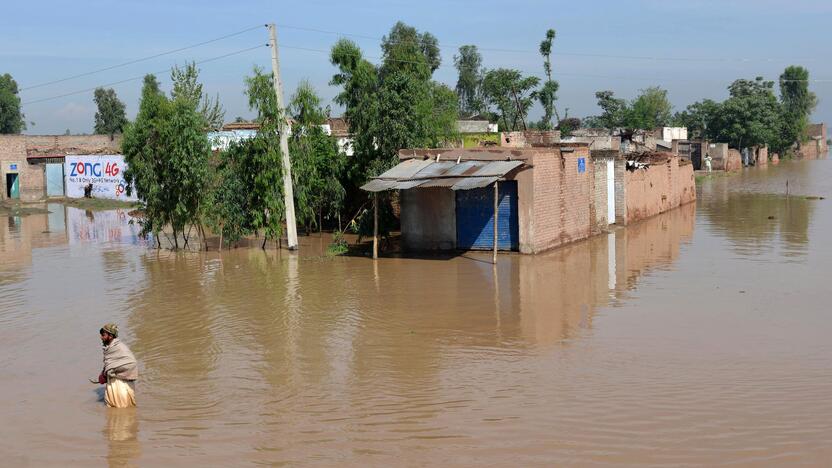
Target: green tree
x=167 y=152
x=469 y=84
x=317 y=164
x=226 y=205
x=261 y=160
x=751 y=116
x=407 y=50
x=511 y=94
x=359 y=82
x=614 y=111
x=109 y=118
x=143 y=151
x=651 y=109
x=797 y=103
x=11 y=118
x=186 y=86
x=700 y=118
x=548 y=92
x=396 y=105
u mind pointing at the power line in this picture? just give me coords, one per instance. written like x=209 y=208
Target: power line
x=142 y=76
x=308 y=49
x=143 y=59
x=554 y=52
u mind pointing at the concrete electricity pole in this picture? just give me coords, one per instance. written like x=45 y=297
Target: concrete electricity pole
x=288 y=191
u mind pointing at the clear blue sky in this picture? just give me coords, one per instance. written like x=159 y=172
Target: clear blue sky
x=710 y=42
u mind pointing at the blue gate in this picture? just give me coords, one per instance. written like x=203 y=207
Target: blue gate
x=475 y=218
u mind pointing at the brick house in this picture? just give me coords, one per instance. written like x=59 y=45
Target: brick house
x=547 y=196
x=447 y=197
x=31 y=166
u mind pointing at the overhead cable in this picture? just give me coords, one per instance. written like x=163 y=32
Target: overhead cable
x=554 y=52
x=142 y=76
x=143 y=59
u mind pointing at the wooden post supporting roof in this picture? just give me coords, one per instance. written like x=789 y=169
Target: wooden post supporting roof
x=496 y=211
x=375 y=225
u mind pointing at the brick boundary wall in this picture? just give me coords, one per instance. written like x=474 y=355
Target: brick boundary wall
x=19 y=149
x=562 y=198
x=662 y=186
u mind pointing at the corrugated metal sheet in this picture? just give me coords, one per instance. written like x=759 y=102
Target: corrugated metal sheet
x=378 y=185
x=497 y=168
x=464 y=175
x=469 y=183
x=406 y=169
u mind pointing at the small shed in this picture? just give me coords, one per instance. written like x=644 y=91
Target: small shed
x=511 y=199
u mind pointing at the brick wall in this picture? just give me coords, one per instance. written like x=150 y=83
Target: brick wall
x=662 y=186
x=530 y=139
x=17 y=148
x=598 y=209
x=620 y=192
x=513 y=140
x=562 y=197
x=733 y=162
x=72 y=144
x=762 y=157
x=816 y=147
x=30 y=177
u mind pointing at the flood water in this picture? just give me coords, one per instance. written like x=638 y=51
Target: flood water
x=698 y=337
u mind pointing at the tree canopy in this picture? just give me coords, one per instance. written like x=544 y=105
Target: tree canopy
x=469 y=84
x=511 y=94
x=109 y=118
x=798 y=103
x=187 y=86
x=548 y=92
x=650 y=109
x=11 y=118
x=167 y=150
x=752 y=115
x=396 y=105
x=317 y=165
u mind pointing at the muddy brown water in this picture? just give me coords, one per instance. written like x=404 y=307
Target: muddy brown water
x=698 y=337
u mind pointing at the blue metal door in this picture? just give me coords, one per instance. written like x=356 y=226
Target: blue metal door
x=475 y=218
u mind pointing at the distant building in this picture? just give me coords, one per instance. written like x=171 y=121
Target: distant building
x=817 y=145
x=339 y=128
x=238 y=131
x=476 y=126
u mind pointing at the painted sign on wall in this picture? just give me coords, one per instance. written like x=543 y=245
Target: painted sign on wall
x=581 y=165
x=104 y=172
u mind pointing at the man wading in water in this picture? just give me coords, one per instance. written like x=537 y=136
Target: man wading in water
x=120 y=370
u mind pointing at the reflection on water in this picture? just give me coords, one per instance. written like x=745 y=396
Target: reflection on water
x=121 y=431
x=662 y=343
x=761 y=216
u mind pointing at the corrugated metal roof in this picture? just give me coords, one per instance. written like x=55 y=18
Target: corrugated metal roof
x=406 y=169
x=427 y=173
x=497 y=168
x=469 y=183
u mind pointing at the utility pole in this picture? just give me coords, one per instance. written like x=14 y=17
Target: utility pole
x=288 y=191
